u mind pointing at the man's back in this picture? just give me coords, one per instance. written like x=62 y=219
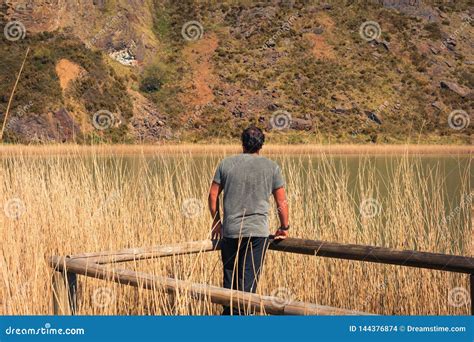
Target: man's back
x=247 y=180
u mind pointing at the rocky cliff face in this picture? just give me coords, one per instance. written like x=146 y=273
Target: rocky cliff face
x=152 y=70
x=51 y=15
x=93 y=21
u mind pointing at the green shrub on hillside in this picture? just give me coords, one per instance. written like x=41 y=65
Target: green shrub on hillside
x=99 y=88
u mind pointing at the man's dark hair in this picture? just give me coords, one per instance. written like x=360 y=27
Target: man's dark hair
x=252 y=139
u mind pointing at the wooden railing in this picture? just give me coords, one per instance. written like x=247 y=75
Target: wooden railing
x=66 y=269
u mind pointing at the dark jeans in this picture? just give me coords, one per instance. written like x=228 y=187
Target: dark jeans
x=242 y=260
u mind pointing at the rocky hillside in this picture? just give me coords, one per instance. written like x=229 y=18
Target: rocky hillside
x=384 y=71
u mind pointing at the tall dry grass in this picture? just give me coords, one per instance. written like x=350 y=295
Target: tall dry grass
x=78 y=202
x=200 y=149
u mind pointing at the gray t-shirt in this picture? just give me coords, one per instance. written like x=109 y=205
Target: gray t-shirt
x=247 y=180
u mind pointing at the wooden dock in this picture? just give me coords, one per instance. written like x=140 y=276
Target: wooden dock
x=66 y=269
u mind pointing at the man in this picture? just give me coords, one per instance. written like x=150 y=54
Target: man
x=247 y=180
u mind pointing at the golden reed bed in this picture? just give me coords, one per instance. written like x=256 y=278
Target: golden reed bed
x=86 y=203
x=219 y=149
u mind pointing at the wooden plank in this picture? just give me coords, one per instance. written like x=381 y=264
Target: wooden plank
x=215 y=294
x=131 y=254
x=435 y=261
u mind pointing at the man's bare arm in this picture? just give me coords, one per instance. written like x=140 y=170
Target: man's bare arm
x=213 y=200
x=283 y=214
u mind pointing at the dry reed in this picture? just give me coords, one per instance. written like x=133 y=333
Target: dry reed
x=79 y=200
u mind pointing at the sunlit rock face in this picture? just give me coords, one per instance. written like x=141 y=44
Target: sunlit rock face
x=97 y=25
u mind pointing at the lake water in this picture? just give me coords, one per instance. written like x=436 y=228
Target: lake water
x=451 y=170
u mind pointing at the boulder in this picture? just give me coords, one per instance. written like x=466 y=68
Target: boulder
x=272 y=107
x=438 y=105
x=384 y=43
x=237 y=112
x=455 y=88
x=312 y=9
x=301 y=124
x=56 y=126
x=372 y=116
x=434 y=50
x=318 y=30
x=339 y=97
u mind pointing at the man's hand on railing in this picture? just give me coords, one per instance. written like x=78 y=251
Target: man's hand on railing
x=216 y=230
x=281 y=233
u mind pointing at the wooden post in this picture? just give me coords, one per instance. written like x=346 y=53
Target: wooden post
x=64 y=286
x=472 y=293
x=72 y=291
